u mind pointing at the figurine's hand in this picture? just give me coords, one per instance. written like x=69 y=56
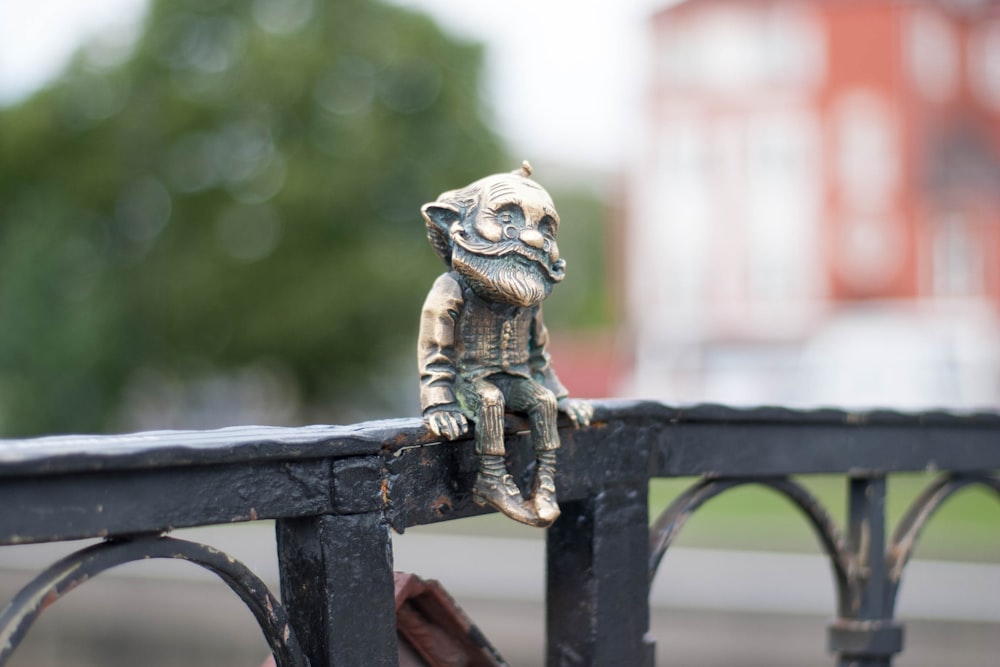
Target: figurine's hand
x=448 y=424
x=579 y=412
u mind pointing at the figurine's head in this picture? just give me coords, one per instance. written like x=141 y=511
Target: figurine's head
x=499 y=233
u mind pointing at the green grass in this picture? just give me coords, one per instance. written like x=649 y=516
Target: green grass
x=965 y=528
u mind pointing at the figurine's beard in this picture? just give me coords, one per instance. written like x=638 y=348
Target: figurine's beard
x=512 y=279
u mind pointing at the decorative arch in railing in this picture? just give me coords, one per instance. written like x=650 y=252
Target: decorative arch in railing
x=904 y=540
x=667 y=526
x=80 y=566
x=851 y=572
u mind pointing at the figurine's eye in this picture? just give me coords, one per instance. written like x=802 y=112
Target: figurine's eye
x=547 y=227
x=510 y=218
x=547 y=245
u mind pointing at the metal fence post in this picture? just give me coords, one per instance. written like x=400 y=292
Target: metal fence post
x=597 y=589
x=336 y=573
x=337 y=585
x=868 y=637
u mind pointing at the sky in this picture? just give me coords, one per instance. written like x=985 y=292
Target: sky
x=563 y=76
x=37 y=38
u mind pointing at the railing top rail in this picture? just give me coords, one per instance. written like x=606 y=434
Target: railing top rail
x=67 y=487
x=235 y=444
x=63 y=454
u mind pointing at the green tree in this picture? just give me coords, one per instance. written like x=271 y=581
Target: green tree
x=242 y=190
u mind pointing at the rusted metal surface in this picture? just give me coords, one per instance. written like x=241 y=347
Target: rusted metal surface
x=437 y=629
x=433 y=630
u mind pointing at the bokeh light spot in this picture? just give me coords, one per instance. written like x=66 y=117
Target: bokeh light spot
x=410 y=86
x=282 y=17
x=348 y=88
x=143 y=209
x=248 y=233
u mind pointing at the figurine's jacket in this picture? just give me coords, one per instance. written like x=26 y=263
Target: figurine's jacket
x=465 y=337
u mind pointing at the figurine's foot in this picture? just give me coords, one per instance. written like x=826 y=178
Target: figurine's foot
x=501 y=493
x=543 y=496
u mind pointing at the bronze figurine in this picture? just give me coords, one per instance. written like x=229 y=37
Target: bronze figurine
x=482 y=346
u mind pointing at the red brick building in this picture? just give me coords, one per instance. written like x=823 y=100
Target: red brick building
x=816 y=211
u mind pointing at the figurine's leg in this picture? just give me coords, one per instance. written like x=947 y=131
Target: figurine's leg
x=541 y=407
x=494 y=485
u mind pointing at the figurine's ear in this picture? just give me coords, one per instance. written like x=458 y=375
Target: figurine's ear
x=439 y=218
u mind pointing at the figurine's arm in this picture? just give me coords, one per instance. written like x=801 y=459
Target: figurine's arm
x=539 y=360
x=437 y=358
x=579 y=412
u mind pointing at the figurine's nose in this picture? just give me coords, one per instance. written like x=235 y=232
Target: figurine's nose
x=533 y=238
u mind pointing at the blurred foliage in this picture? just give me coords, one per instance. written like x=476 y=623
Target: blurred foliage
x=241 y=191
x=583 y=300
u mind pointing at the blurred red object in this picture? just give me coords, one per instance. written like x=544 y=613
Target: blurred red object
x=433 y=631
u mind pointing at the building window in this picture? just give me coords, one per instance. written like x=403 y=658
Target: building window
x=932 y=55
x=957 y=259
x=684 y=210
x=984 y=63
x=782 y=205
x=732 y=48
x=867 y=151
x=871 y=253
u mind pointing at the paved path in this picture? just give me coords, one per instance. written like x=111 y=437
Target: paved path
x=703 y=579
x=709 y=607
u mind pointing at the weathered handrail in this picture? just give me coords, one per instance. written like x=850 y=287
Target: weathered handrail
x=335 y=491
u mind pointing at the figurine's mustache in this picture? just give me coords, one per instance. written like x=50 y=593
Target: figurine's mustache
x=556 y=271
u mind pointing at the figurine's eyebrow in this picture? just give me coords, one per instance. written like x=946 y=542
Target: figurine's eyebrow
x=498 y=205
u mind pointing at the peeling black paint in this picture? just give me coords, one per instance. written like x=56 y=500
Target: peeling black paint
x=337 y=490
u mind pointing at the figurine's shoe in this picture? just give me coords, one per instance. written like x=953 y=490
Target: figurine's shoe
x=543 y=496
x=500 y=492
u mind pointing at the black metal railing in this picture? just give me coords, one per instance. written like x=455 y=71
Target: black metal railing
x=337 y=491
